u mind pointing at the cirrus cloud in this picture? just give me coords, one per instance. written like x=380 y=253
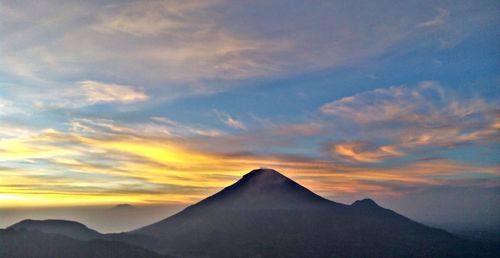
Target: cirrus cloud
x=410 y=118
x=436 y=21
x=230 y=121
x=362 y=151
x=99 y=92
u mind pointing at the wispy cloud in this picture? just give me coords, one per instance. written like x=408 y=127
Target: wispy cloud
x=154 y=18
x=299 y=129
x=410 y=118
x=227 y=119
x=178 y=44
x=428 y=104
x=157 y=126
x=180 y=129
x=362 y=151
x=441 y=17
x=397 y=104
x=7 y=107
x=99 y=92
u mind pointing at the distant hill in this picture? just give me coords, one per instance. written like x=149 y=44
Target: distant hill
x=34 y=244
x=266 y=214
x=63 y=227
x=124 y=206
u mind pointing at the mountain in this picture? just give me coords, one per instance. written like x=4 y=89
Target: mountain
x=266 y=214
x=63 y=227
x=20 y=243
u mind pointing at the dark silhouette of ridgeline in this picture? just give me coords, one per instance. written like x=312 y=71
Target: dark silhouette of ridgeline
x=266 y=214
x=23 y=243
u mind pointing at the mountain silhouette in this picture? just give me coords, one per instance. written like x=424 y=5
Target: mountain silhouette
x=264 y=188
x=266 y=214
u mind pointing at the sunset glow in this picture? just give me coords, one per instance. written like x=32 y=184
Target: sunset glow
x=167 y=102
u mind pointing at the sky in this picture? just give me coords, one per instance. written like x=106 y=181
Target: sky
x=166 y=102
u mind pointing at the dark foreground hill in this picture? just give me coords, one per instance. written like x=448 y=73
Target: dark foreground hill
x=35 y=244
x=266 y=214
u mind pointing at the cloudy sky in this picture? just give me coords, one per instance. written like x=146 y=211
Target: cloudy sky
x=166 y=102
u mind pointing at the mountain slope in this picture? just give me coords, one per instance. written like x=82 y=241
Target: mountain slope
x=30 y=244
x=266 y=214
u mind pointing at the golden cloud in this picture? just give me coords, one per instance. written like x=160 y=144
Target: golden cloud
x=362 y=151
x=101 y=166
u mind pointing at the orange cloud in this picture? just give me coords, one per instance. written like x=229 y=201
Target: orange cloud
x=363 y=152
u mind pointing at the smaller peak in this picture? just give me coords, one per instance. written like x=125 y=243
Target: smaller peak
x=365 y=203
x=123 y=206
